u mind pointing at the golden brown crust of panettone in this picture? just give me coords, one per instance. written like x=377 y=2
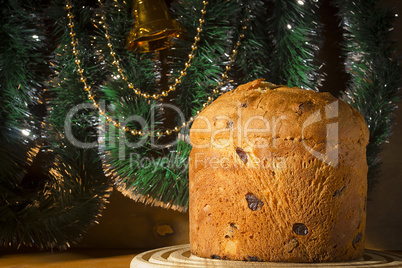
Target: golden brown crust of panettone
x=260 y=194
x=285 y=109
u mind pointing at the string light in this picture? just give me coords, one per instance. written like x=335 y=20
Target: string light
x=35 y=37
x=110 y=120
x=25 y=132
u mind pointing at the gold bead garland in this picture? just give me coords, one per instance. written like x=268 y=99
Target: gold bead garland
x=91 y=95
x=183 y=72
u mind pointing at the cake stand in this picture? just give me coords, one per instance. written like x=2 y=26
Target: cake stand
x=180 y=256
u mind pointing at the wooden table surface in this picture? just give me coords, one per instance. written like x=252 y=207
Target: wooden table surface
x=77 y=258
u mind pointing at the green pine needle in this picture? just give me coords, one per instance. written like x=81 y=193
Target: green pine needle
x=374 y=73
x=295 y=31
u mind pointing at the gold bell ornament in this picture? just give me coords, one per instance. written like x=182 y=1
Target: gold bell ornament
x=154 y=28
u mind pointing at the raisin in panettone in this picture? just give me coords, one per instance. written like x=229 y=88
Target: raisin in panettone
x=278 y=174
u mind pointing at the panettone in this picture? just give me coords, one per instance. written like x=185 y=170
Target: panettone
x=278 y=174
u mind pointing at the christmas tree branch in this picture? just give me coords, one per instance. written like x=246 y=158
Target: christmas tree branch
x=295 y=31
x=22 y=71
x=374 y=73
